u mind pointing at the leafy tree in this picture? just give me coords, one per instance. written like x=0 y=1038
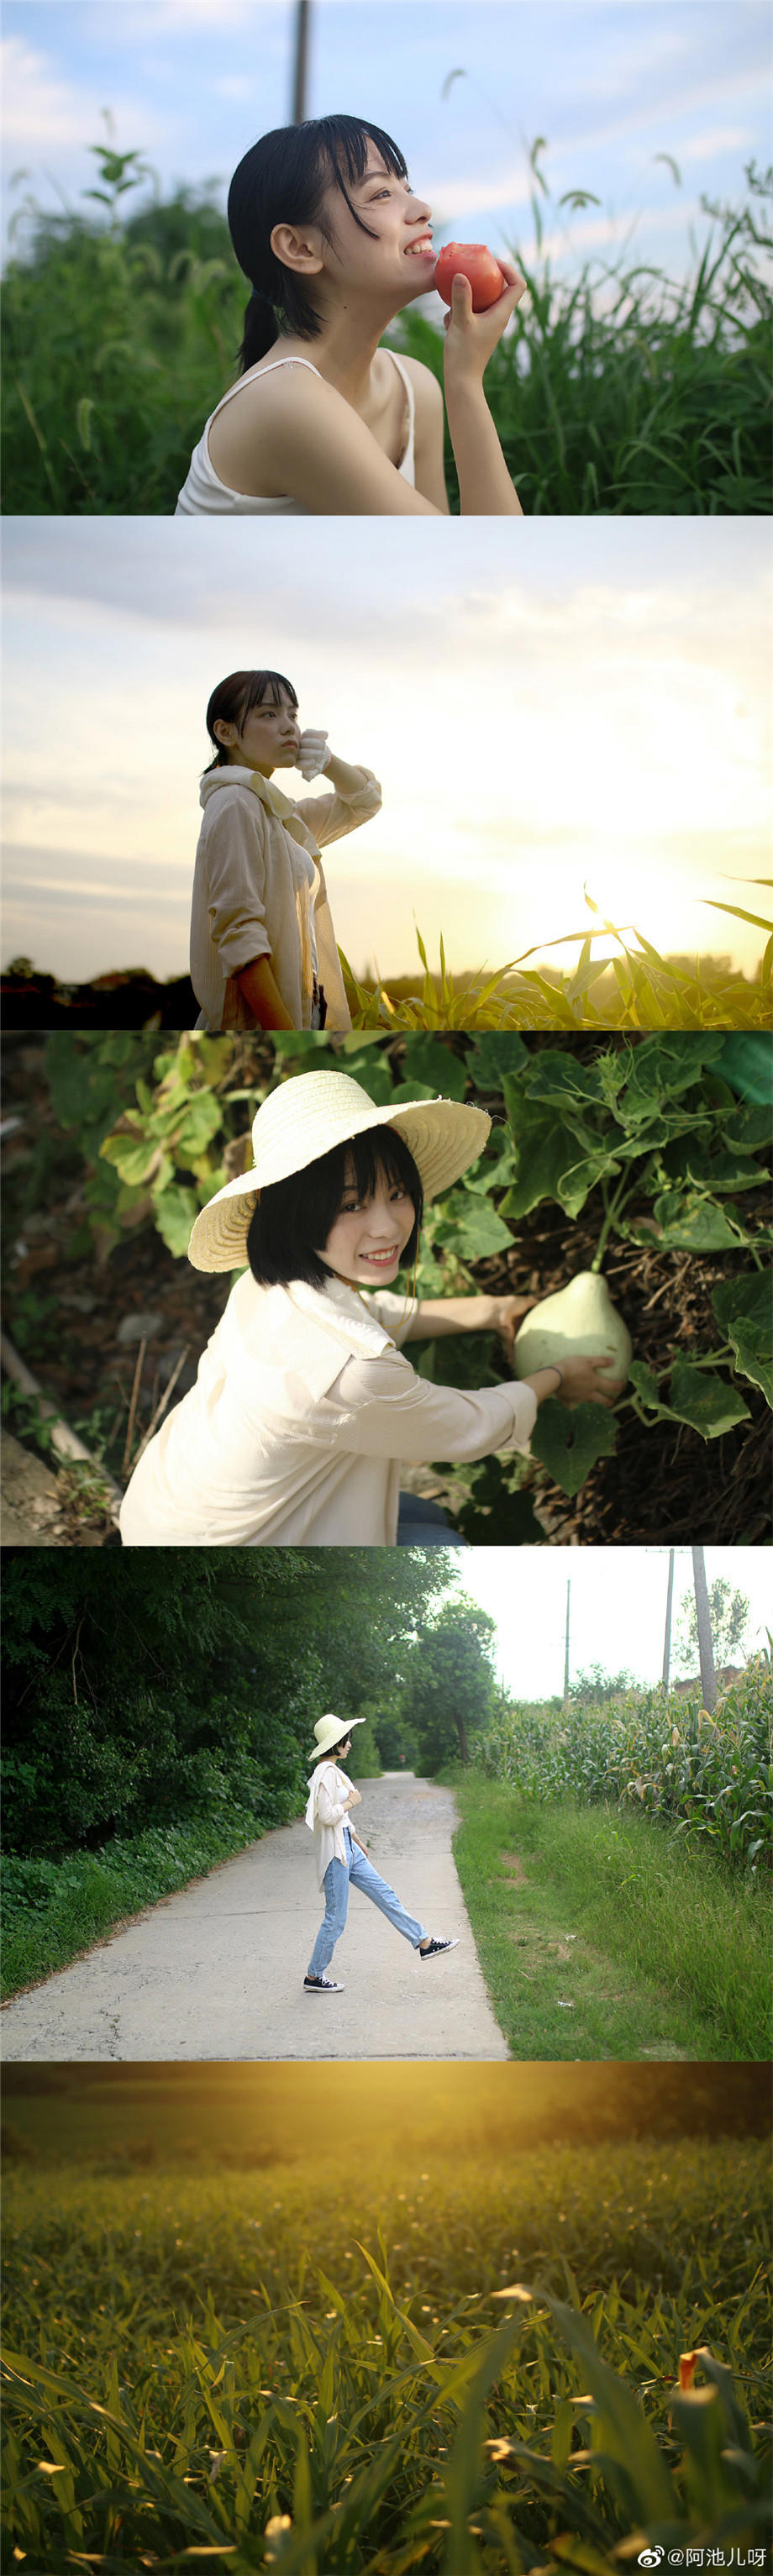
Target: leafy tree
x=450 y=1689
x=142 y=1687
x=729 y=1615
x=596 y=1686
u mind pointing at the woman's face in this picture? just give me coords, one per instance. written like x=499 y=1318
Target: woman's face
x=400 y=261
x=268 y=737
x=369 y=1235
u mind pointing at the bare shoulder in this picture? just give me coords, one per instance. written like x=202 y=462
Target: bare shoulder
x=428 y=392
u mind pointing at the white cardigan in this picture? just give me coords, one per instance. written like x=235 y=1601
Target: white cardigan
x=303 y=1411
x=325 y=1814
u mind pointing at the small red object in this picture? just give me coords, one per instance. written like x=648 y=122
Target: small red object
x=472 y=260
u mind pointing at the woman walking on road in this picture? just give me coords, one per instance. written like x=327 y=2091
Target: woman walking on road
x=342 y=1858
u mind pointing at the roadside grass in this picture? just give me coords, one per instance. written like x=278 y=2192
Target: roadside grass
x=55 y=1910
x=659 y=1951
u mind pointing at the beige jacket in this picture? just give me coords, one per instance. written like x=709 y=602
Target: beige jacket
x=303 y=1412
x=259 y=891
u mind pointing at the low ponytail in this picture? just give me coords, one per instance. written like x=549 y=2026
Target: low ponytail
x=260 y=329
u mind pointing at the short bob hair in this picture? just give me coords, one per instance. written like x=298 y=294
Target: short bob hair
x=296 y=1215
x=234 y=698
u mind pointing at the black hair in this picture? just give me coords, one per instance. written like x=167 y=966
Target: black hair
x=294 y=1216
x=283 y=179
x=232 y=699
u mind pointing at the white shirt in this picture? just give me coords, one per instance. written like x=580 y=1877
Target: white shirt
x=303 y=1411
x=203 y=492
x=259 y=891
x=325 y=1814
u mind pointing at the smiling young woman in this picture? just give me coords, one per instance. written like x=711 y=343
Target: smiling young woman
x=335 y=242
x=305 y=1408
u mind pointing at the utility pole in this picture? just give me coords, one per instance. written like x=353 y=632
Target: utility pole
x=703 y=1617
x=566 y=1649
x=301 y=61
x=669 y=1600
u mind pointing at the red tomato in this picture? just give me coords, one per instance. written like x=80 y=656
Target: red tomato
x=472 y=260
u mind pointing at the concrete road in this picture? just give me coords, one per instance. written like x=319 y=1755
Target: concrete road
x=217 y=1971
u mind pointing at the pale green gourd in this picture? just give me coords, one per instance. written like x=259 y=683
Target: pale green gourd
x=579 y=1322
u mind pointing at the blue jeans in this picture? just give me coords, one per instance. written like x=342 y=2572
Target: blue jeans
x=423 y=1524
x=336 y=1884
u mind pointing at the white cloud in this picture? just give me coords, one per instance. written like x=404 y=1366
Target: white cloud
x=43 y=112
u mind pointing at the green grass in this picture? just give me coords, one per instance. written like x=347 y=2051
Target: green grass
x=192 y=2357
x=622 y=392
x=53 y=1910
x=669 y=1954
x=630 y=986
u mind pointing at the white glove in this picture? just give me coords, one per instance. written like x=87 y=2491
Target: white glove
x=313 y=753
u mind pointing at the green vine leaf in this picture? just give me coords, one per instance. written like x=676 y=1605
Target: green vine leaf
x=703 y=1399
x=567 y=1440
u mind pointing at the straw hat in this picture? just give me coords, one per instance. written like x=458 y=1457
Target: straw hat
x=332 y=1730
x=302 y=1120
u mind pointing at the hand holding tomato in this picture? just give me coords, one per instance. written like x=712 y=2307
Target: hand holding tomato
x=473 y=261
x=471 y=337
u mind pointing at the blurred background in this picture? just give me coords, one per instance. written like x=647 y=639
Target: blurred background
x=618 y=150
x=587 y=707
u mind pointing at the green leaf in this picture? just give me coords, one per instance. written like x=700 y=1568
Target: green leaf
x=202 y=1119
x=687 y=1221
x=750 y=1296
x=703 y=1399
x=552 y=1161
x=176 y=1212
x=751 y=1343
x=133 y=1161
x=475 y=1228
x=663 y=1068
x=568 y=1440
x=564 y=1078
x=428 y=1061
x=645 y=1384
x=495 y=1054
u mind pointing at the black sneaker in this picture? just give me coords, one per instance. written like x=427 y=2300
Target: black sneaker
x=434 y=1947
x=321 y=1986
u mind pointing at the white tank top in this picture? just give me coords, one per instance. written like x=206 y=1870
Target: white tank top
x=203 y=490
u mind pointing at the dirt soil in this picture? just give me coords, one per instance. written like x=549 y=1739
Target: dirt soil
x=80 y=1322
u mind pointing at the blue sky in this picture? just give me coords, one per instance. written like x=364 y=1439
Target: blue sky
x=591 y=706
x=610 y=86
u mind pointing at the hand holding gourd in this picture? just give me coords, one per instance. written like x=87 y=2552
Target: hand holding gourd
x=506 y=1315
x=578 y=1331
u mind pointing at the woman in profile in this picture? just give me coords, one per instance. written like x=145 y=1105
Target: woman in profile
x=322 y=420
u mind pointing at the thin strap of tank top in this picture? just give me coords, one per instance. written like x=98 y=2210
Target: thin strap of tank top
x=313 y=371
x=264 y=371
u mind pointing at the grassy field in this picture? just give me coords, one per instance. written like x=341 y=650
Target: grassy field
x=600 y=1935
x=622 y=391
x=384 y=2363
x=630 y=986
